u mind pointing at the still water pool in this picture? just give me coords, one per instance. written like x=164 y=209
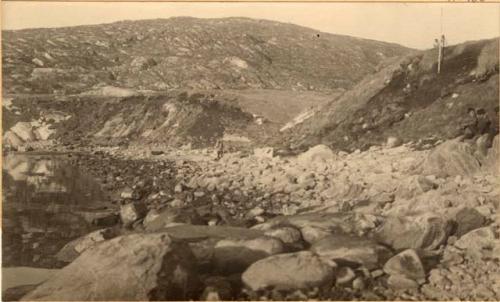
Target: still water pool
x=47 y=202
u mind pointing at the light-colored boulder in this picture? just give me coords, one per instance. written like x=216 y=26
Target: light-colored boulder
x=407 y=264
x=266 y=152
x=451 y=158
x=420 y=232
x=133 y=267
x=24 y=130
x=393 y=142
x=316 y=154
x=315 y=226
x=288 y=271
x=160 y=220
x=131 y=212
x=352 y=250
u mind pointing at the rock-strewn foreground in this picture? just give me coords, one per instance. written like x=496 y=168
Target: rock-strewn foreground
x=367 y=225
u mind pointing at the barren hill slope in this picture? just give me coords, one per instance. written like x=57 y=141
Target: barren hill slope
x=187 y=53
x=409 y=100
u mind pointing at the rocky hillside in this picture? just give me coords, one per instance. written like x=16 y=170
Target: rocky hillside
x=187 y=53
x=408 y=100
x=173 y=119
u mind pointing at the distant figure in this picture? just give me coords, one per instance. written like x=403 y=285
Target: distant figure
x=483 y=122
x=436 y=43
x=219 y=148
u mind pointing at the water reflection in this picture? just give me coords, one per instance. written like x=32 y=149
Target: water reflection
x=45 y=199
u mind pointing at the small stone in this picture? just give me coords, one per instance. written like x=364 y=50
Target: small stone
x=131 y=212
x=393 y=142
x=257 y=211
x=199 y=194
x=177 y=203
x=288 y=235
x=377 y=273
x=400 y=282
x=157 y=152
x=358 y=283
x=178 y=188
x=426 y=184
x=344 y=275
x=129 y=193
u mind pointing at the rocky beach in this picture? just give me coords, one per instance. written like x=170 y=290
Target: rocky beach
x=115 y=191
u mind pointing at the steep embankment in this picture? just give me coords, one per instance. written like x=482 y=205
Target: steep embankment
x=408 y=99
x=187 y=53
x=161 y=119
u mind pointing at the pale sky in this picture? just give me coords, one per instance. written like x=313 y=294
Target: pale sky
x=413 y=25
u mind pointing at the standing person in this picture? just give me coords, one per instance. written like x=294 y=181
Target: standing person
x=483 y=122
x=469 y=128
x=219 y=149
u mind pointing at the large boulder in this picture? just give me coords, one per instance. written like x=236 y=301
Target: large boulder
x=288 y=271
x=159 y=220
x=266 y=152
x=74 y=248
x=479 y=243
x=24 y=130
x=452 y=158
x=316 y=154
x=315 y=226
x=133 y=267
x=351 y=250
x=13 y=140
x=233 y=256
x=421 y=232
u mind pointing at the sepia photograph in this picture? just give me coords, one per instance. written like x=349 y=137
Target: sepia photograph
x=250 y=151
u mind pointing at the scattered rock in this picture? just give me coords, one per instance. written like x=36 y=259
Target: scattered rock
x=157 y=152
x=266 y=152
x=393 y=142
x=159 y=220
x=344 y=275
x=400 y=282
x=407 y=264
x=426 y=184
x=467 y=220
x=287 y=235
x=129 y=193
x=281 y=271
x=477 y=241
x=131 y=212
